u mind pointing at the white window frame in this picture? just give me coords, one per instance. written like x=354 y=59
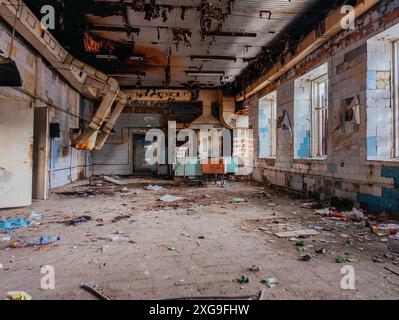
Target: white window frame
x=395 y=95
x=273 y=125
x=319 y=118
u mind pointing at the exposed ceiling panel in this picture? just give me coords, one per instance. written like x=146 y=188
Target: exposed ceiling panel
x=245 y=17
x=254 y=24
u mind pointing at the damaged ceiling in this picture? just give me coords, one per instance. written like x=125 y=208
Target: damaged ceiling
x=184 y=43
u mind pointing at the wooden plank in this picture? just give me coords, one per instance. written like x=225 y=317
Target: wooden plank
x=297 y=233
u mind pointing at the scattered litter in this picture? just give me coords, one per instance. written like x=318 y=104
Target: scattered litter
x=14 y=223
x=18 y=296
x=306 y=257
x=5 y=242
x=114 y=181
x=238 y=200
x=385 y=229
x=243 y=280
x=301 y=246
x=94 y=291
x=124 y=190
x=311 y=205
x=323 y=212
x=321 y=251
x=36 y=241
x=354 y=214
x=119 y=218
x=35 y=218
x=170 y=198
x=271 y=282
x=222 y=184
x=388 y=255
x=297 y=233
x=255 y=268
x=78 y=221
x=340 y=260
x=111 y=238
x=155 y=188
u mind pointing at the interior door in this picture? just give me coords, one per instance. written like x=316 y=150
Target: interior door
x=140 y=164
x=16 y=147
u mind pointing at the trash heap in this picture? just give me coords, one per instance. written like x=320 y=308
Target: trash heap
x=8 y=227
x=381 y=226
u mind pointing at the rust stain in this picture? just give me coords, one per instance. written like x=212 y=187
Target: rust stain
x=30 y=153
x=65 y=151
x=81 y=173
x=391 y=16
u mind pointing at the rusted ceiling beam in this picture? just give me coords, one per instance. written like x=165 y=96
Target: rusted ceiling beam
x=209 y=57
x=114 y=28
x=230 y=34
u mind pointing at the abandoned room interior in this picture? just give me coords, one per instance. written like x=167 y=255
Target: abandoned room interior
x=194 y=149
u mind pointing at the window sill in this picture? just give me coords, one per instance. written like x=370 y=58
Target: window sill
x=309 y=159
x=383 y=160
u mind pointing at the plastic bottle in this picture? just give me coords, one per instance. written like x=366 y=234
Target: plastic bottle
x=38 y=241
x=5 y=242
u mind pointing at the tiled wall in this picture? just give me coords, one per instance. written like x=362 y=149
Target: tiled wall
x=347 y=172
x=65 y=164
x=117 y=156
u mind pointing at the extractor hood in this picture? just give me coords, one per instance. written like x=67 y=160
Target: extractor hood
x=206 y=119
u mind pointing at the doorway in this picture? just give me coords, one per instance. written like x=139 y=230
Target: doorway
x=140 y=164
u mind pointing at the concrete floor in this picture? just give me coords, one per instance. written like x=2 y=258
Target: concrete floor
x=196 y=247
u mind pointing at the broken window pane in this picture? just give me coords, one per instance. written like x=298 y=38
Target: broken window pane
x=268 y=126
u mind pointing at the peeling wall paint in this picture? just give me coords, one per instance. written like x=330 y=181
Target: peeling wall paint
x=347 y=172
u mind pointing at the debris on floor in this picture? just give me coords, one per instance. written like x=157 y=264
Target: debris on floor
x=34 y=241
x=18 y=296
x=243 y=280
x=79 y=221
x=306 y=257
x=114 y=181
x=270 y=282
x=170 y=198
x=255 y=268
x=95 y=291
x=9 y=225
x=154 y=188
x=124 y=190
x=238 y=200
x=119 y=218
x=297 y=233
